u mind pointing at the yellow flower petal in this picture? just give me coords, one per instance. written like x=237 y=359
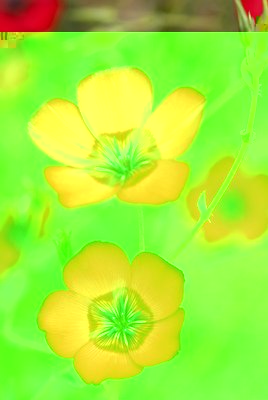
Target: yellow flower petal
x=116 y=100
x=9 y=253
x=66 y=345
x=76 y=187
x=64 y=316
x=162 y=184
x=95 y=365
x=175 y=122
x=64 y=311
x=253 y=191
x=162 y=343
x=255 y=222
x=254 y=227
x=59 y=130
x=218 y=227
x=98 y=269
x=159 y=284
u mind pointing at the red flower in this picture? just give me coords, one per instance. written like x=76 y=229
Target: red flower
x=253 y=7
x=29 y=15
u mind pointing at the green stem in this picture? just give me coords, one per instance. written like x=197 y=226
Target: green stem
x=205 y=216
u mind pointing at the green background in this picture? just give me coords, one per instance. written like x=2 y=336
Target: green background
x=224 y=348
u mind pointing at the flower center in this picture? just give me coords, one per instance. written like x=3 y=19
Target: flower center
x=15 y=6
x=117 y=158
x=119 y=321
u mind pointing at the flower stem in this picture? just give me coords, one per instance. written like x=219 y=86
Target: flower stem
x=246 y=136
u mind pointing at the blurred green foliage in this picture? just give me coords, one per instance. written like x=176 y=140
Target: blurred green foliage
x=149 y=15
x=224 y=338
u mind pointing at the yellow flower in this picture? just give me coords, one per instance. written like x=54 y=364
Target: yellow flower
x=9 y=253
x=243 y=208
x=116 y=318
x=27 y=220
x=14 y=72
x=113 y=144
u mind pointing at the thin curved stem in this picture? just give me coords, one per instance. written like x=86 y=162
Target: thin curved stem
x=246 y=136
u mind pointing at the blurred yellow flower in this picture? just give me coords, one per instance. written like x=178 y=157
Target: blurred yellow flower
x=26 y=220
x=9 y=253
x=243 y=208
x=14 y=72
x=116 y=318
x=113 y=144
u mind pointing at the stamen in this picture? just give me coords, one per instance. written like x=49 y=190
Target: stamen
x=119 y=321
x=116 y=158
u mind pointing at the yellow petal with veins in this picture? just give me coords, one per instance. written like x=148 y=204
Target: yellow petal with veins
x=59 y=130
x=162 y=184
x=98 y=269
x=162 y=343
x=64 y=316
x=95 y=365
x=115 y=100
x=159 y=284
x=175 y=121
x=76 y=187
